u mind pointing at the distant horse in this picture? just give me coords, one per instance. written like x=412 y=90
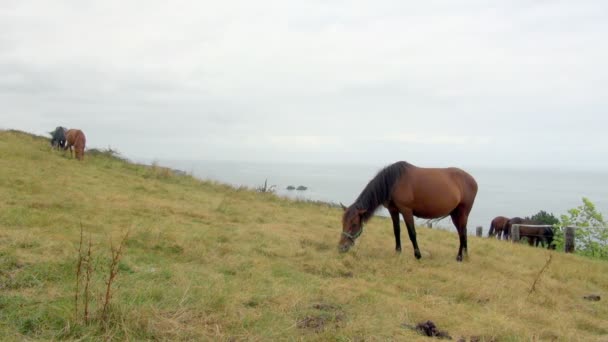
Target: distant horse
x=412 y=191
x=506 y=233
x=76 y=139
x=537 y=235
x=58 y=137
x=497 y=226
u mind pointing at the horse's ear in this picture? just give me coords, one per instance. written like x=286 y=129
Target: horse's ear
x=343 y=206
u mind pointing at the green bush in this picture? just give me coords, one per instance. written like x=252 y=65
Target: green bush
x=591 y=237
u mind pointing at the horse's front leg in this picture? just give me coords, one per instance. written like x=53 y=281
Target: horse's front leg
x=396 y=229
x=408 y=217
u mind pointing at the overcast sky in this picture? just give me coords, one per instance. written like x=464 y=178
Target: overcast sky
x=435 y=83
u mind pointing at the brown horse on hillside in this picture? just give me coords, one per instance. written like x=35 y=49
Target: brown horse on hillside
x=76 y=139
x=412 y=191
x=497 y=226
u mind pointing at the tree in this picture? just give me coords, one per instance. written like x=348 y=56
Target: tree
x=543 y=217
x=592 y=232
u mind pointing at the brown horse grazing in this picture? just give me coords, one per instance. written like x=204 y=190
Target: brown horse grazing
x=75 y=138
x=412 y=191
x=497 y=226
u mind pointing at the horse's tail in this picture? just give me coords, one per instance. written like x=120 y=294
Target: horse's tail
x=491 y=231
x=435 y=220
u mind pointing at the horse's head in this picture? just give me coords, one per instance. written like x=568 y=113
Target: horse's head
x=352 y=227
x=58 y=137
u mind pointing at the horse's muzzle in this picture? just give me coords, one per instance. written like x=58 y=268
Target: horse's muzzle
x=345 y=245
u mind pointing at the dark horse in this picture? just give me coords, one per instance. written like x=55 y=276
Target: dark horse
x=412 y=191
x=537 y=235
x=76 y=139
x=497 y=226
x=58 y=137
x=515 y=220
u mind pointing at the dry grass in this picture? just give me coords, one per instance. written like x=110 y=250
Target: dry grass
x=205 y=261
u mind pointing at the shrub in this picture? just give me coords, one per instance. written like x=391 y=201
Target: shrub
x=591 y=237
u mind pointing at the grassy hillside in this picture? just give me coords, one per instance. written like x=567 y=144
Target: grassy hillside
x=204 y=261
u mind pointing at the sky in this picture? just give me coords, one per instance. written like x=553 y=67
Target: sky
x=436 y=83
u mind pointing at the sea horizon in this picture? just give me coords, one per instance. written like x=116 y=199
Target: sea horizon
x=502 y=191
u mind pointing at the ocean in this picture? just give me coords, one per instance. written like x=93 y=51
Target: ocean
x=501 y=192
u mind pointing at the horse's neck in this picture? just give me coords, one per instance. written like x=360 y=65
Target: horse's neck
x=369 y=207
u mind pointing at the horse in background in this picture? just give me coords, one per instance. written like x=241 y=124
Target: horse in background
x=506 y=233
x=58 y=137
x=75 y=140
x=497 y=226
x=537 y=235
x=412 y=191
x=534 y=235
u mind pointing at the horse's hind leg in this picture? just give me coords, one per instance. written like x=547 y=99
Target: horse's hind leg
x=408 y=217
x=396 y=228
x=460 y=218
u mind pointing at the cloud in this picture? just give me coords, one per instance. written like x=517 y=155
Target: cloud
x=431 y=139
x=304 y=141
x=329 y=80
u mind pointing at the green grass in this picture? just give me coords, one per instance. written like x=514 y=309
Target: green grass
x=205 y=261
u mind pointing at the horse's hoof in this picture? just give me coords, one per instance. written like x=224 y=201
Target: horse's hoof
x=398 y=249
x=459 y=258
x=417 y=254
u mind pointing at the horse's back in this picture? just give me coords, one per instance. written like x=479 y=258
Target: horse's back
x=435 y=191
x=75 y=136
x=70 y=136
x=452 y=179
x=59 y=133
x=468 y=183
x=499 y=221
x=58 y=136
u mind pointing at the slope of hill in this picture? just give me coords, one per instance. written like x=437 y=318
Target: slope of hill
x=205 y=261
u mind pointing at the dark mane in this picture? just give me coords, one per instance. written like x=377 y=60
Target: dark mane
x=380 y=188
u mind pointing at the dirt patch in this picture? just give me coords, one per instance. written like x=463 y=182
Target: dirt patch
x=325 y=307
x=428 y=328
x=315 y=323
x=592 y=297
x=323 y=315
